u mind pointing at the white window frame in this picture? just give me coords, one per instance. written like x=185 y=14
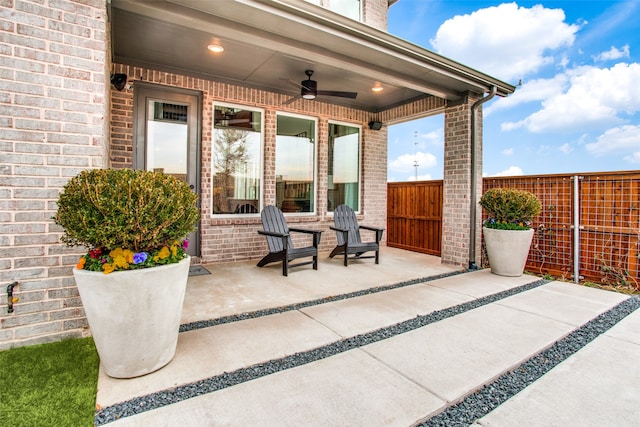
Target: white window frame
x=315 y=159
x=215 y=104
x=360 y=164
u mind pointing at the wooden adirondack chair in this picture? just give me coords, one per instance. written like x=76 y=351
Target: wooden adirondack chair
x=279 y=240
x=348 y=235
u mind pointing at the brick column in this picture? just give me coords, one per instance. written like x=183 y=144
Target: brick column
x=457 y=183
x=374 y=179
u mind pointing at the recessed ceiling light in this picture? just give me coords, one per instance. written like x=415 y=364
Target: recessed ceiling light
x=377 y=87
x=215 y=48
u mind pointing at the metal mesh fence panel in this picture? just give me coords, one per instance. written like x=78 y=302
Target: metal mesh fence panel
x=608 y=223
x=610 y=228
x=551 y=250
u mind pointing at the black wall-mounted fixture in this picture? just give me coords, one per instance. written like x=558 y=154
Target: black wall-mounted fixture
x=373 y=125
x=10 y=298
x=119 y=81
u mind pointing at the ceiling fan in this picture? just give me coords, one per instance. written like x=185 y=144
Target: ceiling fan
x=309 y=90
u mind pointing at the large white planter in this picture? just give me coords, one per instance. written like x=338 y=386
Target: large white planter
x=507 y=250
x=134 y=316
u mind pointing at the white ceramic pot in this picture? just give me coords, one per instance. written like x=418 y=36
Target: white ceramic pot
x=507 y=250
x=134 y=316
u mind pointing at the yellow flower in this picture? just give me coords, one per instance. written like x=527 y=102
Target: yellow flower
x=121 y=258
x=116 y=253
x=107 y=268
x=174 y=249
x=120 y=262
x=164 y=253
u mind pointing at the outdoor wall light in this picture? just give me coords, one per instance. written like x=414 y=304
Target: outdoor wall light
x=119 y=81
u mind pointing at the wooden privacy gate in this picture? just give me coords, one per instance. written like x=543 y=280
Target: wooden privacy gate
x=414 y=216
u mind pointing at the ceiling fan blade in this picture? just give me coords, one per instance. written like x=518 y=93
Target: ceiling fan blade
x=291 y=82
x=290 y=100
x=351 y=95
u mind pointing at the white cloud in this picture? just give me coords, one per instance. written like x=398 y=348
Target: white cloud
x=425 y=177
x=596 y=97
x=565 y=148
x=531 y=91
x=405 y=162
x=564 y=61
x=435 y=137
x=507 y=151
x=633 y=158
x=544 y=149
x=623 y=139
x=510 y=171
x=613 y=53
x=505 y=41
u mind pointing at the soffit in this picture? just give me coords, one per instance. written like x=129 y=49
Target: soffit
x=267 y=42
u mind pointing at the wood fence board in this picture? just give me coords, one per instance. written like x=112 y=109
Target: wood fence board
x=414 y=216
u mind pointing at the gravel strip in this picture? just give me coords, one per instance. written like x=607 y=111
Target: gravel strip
x=488 y=398
x=228 y=379
x=297 y=306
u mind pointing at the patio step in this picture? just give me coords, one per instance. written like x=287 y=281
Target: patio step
x=392 y=357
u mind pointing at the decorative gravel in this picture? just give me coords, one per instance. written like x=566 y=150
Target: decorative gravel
x=228 y=379
x=488 y=398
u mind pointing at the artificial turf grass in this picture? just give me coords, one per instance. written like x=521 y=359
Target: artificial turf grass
x=51 y=384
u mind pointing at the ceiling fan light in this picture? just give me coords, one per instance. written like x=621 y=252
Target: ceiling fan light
x=377 y=87
x=309 y=89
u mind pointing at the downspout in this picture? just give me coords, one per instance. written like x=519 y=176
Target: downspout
x=474 y=181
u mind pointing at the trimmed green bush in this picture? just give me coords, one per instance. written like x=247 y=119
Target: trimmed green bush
x=138 y=212
x=510 y=209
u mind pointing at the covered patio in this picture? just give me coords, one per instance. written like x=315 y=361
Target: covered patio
x=407 y=342
x=261 y=54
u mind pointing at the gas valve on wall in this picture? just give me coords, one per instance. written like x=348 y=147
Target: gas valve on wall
x=10 y=298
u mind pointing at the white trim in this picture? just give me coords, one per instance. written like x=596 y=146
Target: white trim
x=215 y=103
x=360 y=160
x=314 y=212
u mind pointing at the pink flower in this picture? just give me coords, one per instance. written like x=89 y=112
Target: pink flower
x=185 y=244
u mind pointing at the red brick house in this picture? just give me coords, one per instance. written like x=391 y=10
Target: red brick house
x=139 y=84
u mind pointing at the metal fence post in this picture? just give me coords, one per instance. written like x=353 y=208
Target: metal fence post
x=576 y=228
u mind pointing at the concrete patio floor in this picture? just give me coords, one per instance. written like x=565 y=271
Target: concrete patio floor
x=401 y=367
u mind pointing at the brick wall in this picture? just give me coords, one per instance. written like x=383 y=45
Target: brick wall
x=235 y=239
x=52 y=109
x=54 y=97
x=374 y=13
x=457 y=185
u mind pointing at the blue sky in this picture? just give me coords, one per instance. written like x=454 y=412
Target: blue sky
x=578 y=107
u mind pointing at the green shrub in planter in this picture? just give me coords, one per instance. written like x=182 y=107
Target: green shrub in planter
x=510 y=209
x=127 y=218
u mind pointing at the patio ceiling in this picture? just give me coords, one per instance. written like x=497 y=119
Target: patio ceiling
x=267 y=42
